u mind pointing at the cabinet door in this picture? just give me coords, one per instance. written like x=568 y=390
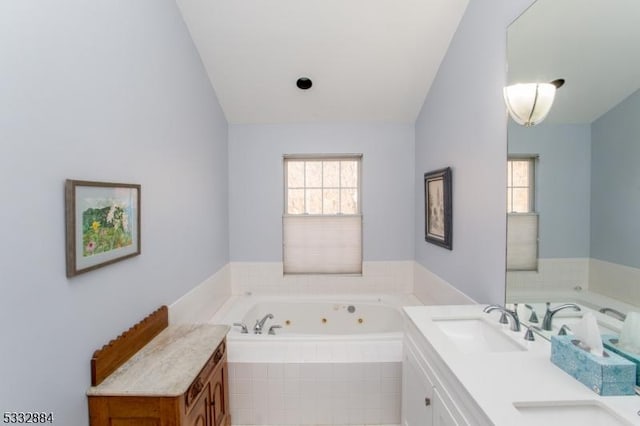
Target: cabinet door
x=199 y=414
x=417 y=393
x=219 y=399
x=442 y=415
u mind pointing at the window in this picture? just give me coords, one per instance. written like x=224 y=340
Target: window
x=322 y=221
x=522 y=220
x=520 y=185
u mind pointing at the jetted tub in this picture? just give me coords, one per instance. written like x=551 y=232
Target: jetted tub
x=338 y=327
x=336 y=359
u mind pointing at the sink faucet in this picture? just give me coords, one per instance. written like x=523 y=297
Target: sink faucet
x=257 y=329
x=548 y=316
x=515 y=322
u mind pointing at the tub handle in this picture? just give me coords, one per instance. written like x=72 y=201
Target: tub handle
x=243 y=327
x=272 y=329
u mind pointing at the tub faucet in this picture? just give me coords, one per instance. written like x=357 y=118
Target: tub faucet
x=272 y=329
x=257 y=329
x=515 y=321
x=548 y=316
x=243 y=328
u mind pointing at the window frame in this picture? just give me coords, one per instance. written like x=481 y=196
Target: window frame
x=321 y=157
x=532 y=159
x=329 y=216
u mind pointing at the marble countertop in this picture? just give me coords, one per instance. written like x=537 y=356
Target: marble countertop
x=167 y=365
x=497 y=380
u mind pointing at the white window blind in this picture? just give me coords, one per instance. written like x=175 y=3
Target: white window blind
x=322 y=220
x=522 y=242
x=322 y=244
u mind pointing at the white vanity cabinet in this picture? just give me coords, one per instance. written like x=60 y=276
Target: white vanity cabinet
x=423 y=397
x=431 y=395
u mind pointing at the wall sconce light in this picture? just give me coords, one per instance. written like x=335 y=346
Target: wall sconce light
x=529 y=103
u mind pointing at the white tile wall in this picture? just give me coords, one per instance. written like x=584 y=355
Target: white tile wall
x=552 y=275
x=616 y=281
x=204 y=300
x=315 y=393
x=267 y=278
x=430 y=289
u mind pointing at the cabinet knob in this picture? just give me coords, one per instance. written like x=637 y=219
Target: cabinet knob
x=427 y=402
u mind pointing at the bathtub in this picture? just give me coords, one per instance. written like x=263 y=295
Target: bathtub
x=336 y=359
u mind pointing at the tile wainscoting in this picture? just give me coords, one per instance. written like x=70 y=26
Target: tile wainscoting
x=556 y=275
x=267 y=278
x=236 y=278
x=315 y=393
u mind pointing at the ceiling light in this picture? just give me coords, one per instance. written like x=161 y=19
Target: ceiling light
x=529 y=103
x=304 y=83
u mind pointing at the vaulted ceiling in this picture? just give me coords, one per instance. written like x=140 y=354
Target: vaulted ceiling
x=369 y=60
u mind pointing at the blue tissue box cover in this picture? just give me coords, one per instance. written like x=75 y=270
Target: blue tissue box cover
x=607 y=376
x=607 y=341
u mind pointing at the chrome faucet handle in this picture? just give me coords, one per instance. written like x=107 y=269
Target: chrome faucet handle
x=272 y=329
x=243 y=327
x=528 y=335
x=563 y=330
x=533 y=317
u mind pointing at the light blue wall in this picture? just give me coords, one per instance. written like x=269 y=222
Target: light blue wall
x=563 y=184
x=256 y=184
x=107 y=91
x=463 y=124
x=615 y=182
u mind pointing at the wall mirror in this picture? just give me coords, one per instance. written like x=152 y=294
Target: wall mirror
x=574 y=179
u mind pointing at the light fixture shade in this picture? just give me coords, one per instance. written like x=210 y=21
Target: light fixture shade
x=529 y=103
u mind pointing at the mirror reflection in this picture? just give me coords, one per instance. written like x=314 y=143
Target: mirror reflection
x=573 y=207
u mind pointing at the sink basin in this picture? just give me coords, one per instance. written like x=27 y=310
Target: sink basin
x=476 y=335
x=564 y=413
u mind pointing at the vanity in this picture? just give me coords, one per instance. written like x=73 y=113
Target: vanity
x=462 y=367
x=157 y=374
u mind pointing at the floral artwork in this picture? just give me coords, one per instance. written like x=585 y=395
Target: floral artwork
x=105 y=229
x=103 y=224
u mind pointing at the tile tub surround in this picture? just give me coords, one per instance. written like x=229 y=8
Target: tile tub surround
x=315 y=393
x=267 y=278
x=608 y=279
x=314 y=378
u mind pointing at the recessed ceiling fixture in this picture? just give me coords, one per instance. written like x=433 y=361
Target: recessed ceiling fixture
x=529 y=103
x=304 y=83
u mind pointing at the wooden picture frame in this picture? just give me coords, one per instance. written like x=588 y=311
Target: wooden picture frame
x=102 y=224
x=438 y=212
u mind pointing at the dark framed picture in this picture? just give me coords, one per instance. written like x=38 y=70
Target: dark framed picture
x=102 y=224
x=438 y=207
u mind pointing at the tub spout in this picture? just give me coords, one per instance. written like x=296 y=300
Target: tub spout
x=257 y=329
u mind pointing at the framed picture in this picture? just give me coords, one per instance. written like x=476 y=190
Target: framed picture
x=438 y=207
x=103 y=224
